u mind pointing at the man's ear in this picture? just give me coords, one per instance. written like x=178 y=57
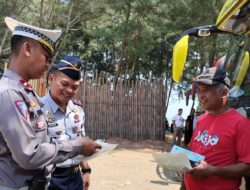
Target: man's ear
x=225 y=92
x=50 y=78
x=26 y=48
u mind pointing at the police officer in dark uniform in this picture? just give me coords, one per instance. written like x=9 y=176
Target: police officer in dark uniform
x=65 y=118
x=27 y=154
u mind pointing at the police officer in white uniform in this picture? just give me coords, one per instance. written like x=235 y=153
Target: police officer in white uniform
x=27 y=154
x=66 y=121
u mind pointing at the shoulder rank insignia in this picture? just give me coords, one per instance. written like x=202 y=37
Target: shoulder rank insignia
x=22 y=108
x=26 y=85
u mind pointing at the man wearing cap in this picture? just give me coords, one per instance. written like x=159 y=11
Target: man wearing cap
x=27 y=154
x=222 y=136
x=66 y=121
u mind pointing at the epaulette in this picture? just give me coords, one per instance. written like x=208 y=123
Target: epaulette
x=26 y=85
x=77 y=102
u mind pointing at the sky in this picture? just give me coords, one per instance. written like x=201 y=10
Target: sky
x=175 y=104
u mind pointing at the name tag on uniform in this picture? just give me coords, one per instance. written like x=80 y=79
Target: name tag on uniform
x=40 y=124
x=52 y=124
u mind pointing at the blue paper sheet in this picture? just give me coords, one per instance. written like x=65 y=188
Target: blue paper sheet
x=191 y=155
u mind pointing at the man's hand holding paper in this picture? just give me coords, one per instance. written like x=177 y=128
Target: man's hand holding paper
x=179 y=159
x=95 y=148
x=201 y=171
x=89 y=146
x=174 y=161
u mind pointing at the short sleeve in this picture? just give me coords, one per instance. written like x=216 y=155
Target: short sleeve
x=243 y=141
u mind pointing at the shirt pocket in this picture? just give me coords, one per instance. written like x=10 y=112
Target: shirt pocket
x=54 y=130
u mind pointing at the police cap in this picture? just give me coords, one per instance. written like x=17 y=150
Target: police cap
x=70 y=66
x=47 y=38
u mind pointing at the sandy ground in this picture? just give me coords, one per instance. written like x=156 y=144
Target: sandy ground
x=131 y=166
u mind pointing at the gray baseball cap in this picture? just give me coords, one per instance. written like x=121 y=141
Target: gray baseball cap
x=212 y=76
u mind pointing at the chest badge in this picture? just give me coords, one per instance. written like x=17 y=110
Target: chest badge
x=33 y=103
x=50 y=120
x=48 y=117
x=50 y=124
x=58 y=132
x=76 y=118
x=40 y=124
x=47 y=112
x=75 y=129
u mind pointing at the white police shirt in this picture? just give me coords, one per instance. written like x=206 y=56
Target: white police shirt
x=179 y=121
x=64 y=126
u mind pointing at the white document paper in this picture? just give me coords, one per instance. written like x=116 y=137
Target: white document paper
x=106 y=148
x=174 y=161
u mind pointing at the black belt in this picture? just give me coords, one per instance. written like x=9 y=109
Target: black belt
x=66 y=171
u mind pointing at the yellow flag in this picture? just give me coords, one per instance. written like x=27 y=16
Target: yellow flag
x=179 y=58
x=243 y=70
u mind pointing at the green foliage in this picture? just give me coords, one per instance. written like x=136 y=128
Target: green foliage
x=201 y=52
x=118 y=37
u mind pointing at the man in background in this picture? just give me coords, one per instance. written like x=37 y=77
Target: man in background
x=189 y=127
x=178 y=126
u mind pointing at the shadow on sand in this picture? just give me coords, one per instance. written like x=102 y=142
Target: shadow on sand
x=168 y=176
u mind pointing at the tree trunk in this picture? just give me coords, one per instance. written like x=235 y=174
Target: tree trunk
x=51 y=14
x=42 y=81
x=62 y=42
x=212 y=53
x=41 y=14
x=124 y=44
x=3 y=40
x=170 y=90
x=202 y=57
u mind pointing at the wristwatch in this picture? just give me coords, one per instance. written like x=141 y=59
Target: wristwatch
x=86 y=170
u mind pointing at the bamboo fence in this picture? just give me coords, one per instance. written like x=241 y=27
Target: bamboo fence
x=133 y=110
